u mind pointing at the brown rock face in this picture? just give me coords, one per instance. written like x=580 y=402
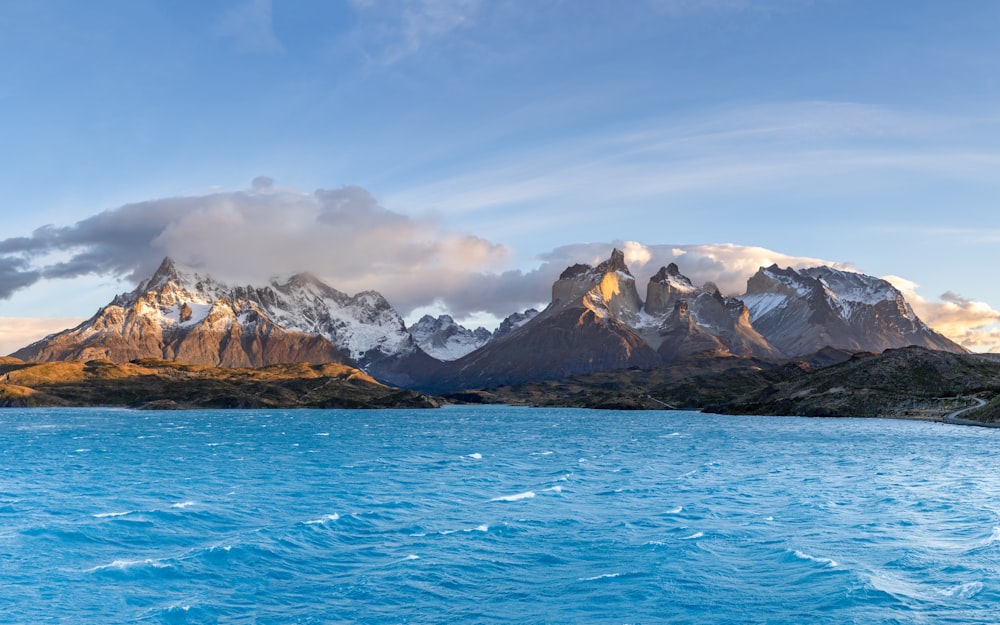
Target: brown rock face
x=567 y=342
x=802 y=311
x=665 y=289
x=586 y=328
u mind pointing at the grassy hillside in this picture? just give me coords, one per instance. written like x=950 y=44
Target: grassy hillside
x=166 y=384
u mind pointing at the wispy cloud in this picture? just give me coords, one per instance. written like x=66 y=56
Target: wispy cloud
x=391 y=30
x=794 y=147
x=250 y=27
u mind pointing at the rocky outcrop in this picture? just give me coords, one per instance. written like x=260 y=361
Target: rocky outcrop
x=665 y=289
x=607 y=289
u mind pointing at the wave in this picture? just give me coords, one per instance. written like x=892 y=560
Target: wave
x=962 y=591
x=597 y=577
x=326 y=519
x=805 y=556
x=130 y=565
x=525 y=495
x=109 y=515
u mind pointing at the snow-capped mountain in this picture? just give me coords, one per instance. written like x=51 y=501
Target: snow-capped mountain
x=608 y=290
x=596 y=321
x=513 y=322
x=580 y=331
x=800 y=311
x=444 y=339
x=181 y=315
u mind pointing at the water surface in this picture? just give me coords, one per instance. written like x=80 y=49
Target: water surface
x=494 y=515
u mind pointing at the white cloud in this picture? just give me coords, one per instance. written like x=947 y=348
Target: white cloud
x=343 y=235
x=974 y=325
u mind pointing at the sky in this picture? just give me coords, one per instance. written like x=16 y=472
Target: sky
x=456 y=155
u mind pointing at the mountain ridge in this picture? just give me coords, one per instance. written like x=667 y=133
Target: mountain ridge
x=595 y=321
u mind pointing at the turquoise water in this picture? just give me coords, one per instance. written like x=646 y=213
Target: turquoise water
x=494 y=515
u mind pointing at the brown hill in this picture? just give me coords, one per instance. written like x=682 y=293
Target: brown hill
x=153 y=383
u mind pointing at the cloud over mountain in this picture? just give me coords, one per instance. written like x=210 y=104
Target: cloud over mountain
x=348 y=238
x=343 y=234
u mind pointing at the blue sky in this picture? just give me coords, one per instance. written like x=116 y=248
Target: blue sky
x=469 y=147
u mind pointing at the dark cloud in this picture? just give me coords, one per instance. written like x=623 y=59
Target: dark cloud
x=343 y=235
x=15 y=274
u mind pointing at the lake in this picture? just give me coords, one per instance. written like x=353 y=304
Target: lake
x=494 y=514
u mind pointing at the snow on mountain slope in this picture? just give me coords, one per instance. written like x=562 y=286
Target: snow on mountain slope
x=801 y=311
x=180 y=314
x=445 y=339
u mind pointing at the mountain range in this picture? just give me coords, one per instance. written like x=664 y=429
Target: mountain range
x=595 y=321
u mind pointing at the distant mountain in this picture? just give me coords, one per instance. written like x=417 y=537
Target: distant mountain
x=596 y=321
x=585 y=328
x=444 y=339
x=800 y=311
x=181 y=315
x=691 y=320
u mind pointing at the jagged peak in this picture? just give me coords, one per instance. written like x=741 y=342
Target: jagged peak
x=615 y=263
x=166 y=272
x=575 y=271
x=671 y=275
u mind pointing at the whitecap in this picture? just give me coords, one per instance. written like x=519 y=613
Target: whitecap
x=80 y=451
x=475 y=456
x=325 y=519
x=480 y=528
x=994 y=537
x=554 y=489
x=412 y=556
x=106 y=515
x=962 y=591
x=805 y=556
x=525 y=495
x=183 y=504
x=121 y=565
x=596 y=577
x=323 y=434
x=694 y=536
x=542 y=453
x=676 y=510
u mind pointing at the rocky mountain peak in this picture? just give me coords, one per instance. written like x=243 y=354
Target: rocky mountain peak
x=615 y=263
x=802 y=310
x=167 y=272
x=665 y=289
x=608 y=290
x=575 y=271
x=445 y=339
